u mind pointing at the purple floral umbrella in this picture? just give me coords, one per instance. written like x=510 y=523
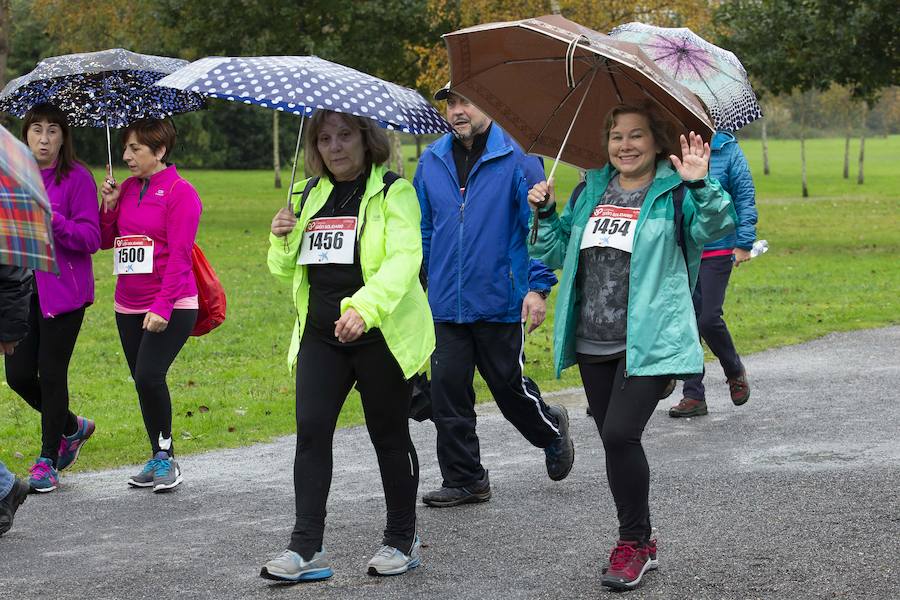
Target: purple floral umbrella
x=714 y=74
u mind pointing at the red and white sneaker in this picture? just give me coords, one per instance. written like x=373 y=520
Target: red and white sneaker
x=628 y=562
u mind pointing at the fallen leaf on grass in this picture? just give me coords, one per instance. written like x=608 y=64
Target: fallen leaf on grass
x=19 y=455
x=231 y=430
x=186 y=435
x=203 y=408
x=189 y=413
x=241 y=411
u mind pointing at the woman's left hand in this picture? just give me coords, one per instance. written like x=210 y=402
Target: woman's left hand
x=349 y=327
x=155 y=323
x=694 y=163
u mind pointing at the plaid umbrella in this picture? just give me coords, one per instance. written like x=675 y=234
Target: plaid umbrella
x=110 y=88
x=714 y=74
x=26 y=236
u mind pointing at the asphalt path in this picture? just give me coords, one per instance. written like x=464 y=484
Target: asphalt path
x=794 y=495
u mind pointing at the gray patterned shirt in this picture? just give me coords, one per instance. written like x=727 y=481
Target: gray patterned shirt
x=602 y=281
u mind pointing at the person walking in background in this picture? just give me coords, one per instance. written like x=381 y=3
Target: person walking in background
x=38 y=371
x=729 y=166
x=151 y=222
x=482 y=287
x=15 y=300
x=351 y=250
x=624 y=313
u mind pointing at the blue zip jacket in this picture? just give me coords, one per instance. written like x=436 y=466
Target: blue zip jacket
x=473 y=243
x=729 y=166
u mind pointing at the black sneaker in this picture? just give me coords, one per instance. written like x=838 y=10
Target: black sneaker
x=560 y=455
x=446 y=497
x=10 y=504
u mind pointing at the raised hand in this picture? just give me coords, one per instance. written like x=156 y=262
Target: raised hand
x=694 y=163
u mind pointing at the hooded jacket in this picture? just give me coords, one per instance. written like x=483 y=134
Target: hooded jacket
x=76 y=236
x=474 y=241
x=661 y=334
x=729 y=166
x=390 y=254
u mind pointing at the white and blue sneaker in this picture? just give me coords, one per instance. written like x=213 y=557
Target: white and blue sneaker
x=390 y=561
x=290 y=566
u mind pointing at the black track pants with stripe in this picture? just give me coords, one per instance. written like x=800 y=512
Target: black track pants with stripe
x=497 y=350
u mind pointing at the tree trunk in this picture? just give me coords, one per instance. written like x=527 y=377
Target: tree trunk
x=862 y=145
x=554 y=7
x=418 y=147
x=397 y=153
x=276 y=155
x=765 y=148
x=4 y=40
x=805 y=190
x=847 y=156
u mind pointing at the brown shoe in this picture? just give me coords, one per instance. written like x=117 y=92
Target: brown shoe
x=688 y=407
x=739 y=388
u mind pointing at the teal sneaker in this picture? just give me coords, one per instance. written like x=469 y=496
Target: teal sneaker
x=145 y=477
x=167 y=475
x=70 y=446
x=290 y=566
x=44 y=478
x=390 y=561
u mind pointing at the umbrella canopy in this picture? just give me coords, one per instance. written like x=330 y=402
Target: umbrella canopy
x=25 y=232
x=714 y=74
x=550 y=82
x=302 y=84
x=99 y=89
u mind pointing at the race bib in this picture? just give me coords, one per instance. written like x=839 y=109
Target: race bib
x=132 y=255
x=329 y=240
x=611 y=227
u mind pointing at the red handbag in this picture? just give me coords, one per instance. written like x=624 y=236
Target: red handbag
x=210 y=294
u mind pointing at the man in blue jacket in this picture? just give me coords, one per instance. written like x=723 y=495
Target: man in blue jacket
x=729 y=166
x=483 y=288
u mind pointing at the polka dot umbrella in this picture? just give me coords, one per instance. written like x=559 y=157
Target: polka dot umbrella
x=303 y=84
x=713 y=73
x=110 y=88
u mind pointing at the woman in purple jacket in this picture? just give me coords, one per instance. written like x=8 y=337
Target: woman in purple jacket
x=38 y=371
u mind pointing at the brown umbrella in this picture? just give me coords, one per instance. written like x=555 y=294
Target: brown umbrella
x=550 y=82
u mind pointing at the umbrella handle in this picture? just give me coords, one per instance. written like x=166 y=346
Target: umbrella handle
x=294 y=174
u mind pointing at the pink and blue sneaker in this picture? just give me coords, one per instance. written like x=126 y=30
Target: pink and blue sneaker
x=44 y=477
x=70 y=446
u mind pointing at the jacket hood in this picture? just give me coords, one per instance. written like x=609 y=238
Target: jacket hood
x=721 y=138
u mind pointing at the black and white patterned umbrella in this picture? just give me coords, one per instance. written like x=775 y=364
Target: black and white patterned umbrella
x=303 y=84
x=110 y=88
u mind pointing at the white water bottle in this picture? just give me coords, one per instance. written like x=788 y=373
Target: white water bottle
x=759 y=247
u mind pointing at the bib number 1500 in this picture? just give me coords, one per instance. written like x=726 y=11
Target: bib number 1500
x=326 y=240
x=130 y=255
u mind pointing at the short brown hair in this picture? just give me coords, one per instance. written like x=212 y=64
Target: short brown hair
x=153 y=133
x=50 y=113
x=375 y=141
x=661 y=129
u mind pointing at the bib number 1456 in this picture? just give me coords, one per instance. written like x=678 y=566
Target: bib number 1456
x=328 y=240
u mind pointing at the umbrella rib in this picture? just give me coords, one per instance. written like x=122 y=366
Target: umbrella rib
x=555 y=112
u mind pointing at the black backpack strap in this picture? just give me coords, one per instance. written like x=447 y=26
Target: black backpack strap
x=389 y=178
x=310 y=184
x=577 y=192
x=678 y=196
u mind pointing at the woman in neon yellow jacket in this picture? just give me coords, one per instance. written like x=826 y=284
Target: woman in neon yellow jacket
x=352 y=249
x=629 y=244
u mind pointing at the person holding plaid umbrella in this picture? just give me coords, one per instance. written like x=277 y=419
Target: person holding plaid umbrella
x=38 y=371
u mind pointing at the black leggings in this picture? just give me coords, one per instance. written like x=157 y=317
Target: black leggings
x=621 y=408
x=149 y=357
x=38 y=371
x=325 y=375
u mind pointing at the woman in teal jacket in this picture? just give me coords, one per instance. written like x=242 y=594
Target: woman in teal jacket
x=624 y=311
x=352 y=249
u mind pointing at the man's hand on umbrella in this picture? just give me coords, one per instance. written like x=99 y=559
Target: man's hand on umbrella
x=694 y=163
x=537 y=195
x=283 y=223
x=110 y=194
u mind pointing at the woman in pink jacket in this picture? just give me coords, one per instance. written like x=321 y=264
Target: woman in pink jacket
x=38 y=371
x=151 y=221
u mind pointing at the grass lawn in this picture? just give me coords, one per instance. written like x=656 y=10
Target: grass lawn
x=832 y=266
